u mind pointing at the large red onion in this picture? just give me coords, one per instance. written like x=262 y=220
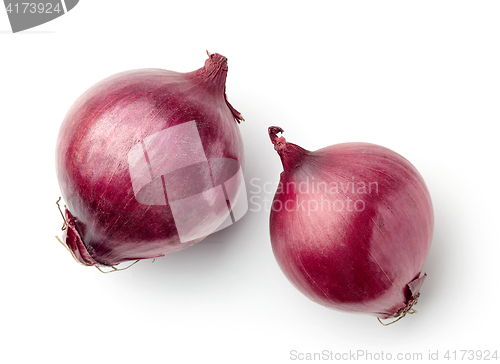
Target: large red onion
x=351 y=226
x=149 y=162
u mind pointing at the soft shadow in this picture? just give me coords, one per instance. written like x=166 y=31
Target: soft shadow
x=208 y=257
x=440 y=265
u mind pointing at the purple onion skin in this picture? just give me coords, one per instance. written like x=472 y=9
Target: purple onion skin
x=106 y=223
x=367 y=260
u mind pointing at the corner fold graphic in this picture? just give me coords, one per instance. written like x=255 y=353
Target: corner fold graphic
x=26 y=15
x=70 y=4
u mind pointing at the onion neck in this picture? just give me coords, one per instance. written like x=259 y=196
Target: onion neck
x=213 y=74
x=212 y=77
x=291 y=154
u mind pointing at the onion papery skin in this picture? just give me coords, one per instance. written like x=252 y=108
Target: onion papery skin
x=363 y=256
x=115 y=158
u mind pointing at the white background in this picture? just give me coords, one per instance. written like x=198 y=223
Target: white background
x=422 y=78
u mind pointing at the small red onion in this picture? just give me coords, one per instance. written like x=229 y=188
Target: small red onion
x=149 y=162
x=351 y=226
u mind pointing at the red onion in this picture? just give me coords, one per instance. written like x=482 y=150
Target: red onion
x=149 y=162
x=351 y=226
